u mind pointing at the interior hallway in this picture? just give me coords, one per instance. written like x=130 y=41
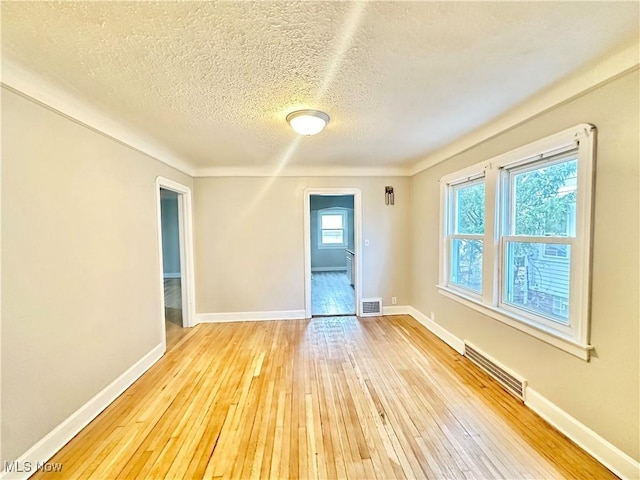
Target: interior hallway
x=331 y=294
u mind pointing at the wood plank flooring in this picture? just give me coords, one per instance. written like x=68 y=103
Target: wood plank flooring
x=323 y=398
x=173 y=293
x=173 y=312
x=331 y=294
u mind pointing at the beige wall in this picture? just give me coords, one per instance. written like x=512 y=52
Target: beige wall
x=603 y=394
x=250 y=241
x=80 y=289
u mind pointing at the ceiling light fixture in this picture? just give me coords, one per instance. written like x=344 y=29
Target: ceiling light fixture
x=308 y=122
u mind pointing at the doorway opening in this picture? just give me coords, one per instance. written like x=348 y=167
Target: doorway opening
x=176 y=260
x=332 y=235
x=171 y=272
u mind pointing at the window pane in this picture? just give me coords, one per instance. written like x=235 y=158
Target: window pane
x=537 y=278
x=466 y=264
x=544 y=201
x=333 y=237
x=469 y=209
x=332 y=221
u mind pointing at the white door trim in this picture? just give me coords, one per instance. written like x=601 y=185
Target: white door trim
x=185 y=221
x=357 y=225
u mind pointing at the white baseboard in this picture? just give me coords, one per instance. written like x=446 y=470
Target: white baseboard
x=59 y=436
x=602 y=450
x=607 y=454
x=447 y=337
x=329 y=269
x=396 y=310
x=249 y=316
x=172 y=275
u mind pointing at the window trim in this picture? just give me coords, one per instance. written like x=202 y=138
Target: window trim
x=452 y=227
x=345 y=227
x=573 y=339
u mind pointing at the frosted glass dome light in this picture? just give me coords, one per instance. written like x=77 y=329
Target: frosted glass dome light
x=308 y=122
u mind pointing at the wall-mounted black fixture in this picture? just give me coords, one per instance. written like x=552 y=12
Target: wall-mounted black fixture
x=388 y=196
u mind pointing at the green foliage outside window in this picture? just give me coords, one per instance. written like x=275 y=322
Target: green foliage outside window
x=542 y=201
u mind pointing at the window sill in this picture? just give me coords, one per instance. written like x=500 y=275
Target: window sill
x=539 y=332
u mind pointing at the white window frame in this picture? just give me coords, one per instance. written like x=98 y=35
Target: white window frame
x=345 y=227
x=573 y=338
x=451 y=227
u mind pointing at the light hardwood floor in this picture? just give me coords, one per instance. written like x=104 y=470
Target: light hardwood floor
x=326 y=398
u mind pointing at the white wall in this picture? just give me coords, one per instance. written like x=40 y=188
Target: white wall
x=602 y=394
x=250 y=241
x=80 y=269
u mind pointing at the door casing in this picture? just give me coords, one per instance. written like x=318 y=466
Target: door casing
x=185 y=228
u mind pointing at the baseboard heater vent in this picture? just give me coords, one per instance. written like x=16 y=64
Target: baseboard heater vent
x=371 y=307
x=509 y=381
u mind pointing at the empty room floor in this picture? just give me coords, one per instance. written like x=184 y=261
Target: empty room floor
x=331 y=294
x=344 y=397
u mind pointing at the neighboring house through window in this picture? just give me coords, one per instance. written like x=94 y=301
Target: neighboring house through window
x=516 y=236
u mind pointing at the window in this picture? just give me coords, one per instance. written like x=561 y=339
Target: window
x=515 y=240
x=332 y=228
x=466 y=235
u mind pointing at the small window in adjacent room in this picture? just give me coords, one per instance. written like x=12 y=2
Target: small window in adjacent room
x=529 y=266
x=332 y=228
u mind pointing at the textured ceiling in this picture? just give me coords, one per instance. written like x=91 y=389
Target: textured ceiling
x=212 y=82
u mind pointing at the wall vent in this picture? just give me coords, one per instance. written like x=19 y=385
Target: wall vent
x=371 y=307
x=511 y=382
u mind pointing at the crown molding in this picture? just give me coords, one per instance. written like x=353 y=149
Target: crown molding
x=302 y=171
x=33 y=87
x=581 y=82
